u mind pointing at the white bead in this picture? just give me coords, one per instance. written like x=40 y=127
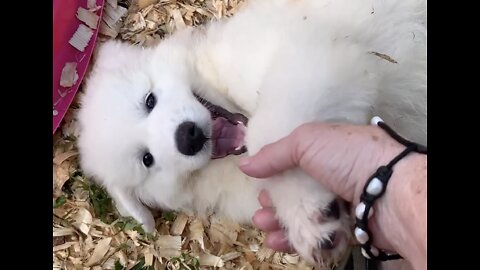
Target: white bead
x=361 y=209
x=55 y=112
x=361 y=235
x=374 y=251
x=375 y=120
x=364 y=253
x=375 y=186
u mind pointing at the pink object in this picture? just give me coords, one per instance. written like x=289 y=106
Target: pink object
x=65 y=23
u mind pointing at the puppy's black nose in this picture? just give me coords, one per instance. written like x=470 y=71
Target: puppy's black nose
x=189 y=138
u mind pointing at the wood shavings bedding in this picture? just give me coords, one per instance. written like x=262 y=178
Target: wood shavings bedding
x=87 y=231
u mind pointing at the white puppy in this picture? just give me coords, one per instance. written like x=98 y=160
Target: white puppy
x=152 y=119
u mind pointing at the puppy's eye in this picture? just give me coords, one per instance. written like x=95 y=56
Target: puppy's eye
x=148 y=160
x=150 y=101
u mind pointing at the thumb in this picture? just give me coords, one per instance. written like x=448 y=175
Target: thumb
x=271 y=159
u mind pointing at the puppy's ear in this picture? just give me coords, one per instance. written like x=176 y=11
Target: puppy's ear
x=113 y=54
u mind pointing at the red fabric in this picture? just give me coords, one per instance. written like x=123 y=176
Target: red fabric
x=65 y=23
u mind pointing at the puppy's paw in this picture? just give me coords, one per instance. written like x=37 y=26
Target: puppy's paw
x=121 y=210
x=148 y=223
x=129 y=205
x=316 y=222
x=320 y=236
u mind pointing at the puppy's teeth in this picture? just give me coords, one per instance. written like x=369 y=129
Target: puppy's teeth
x=238 y=148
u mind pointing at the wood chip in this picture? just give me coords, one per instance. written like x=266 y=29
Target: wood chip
x=169 y=246
x=178 y=19
x=81 y=37
x=88 y=17
x=210 y=260
x=112 y=15
x=265 y=253
x=291 y=259
x=60 y=175
x=101 y=249
x=230 y=256
x=113 y=3
x=179 y=224
x=145 y=3
x=59 y=159
x=223 y=231
x=384 y=57
x=148 y=258
x=107 y=30
x=122 y=258
x=63 y=246
x=62 y=231
x=69 y=75
x=135 y=22
x=83 y=220
x=91 y=4
x=197 y=232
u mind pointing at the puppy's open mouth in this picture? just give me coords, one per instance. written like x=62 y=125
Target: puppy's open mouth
x=228 y=130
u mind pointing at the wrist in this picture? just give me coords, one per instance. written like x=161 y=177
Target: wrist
x=399 y=212
x=401 y=219
x=398 y=223
x=378 y=150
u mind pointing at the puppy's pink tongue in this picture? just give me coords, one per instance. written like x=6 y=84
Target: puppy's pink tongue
x=227 y=138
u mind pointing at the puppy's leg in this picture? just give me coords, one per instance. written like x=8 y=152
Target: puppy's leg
x=316 y=222
x=223 y=188
x=121 y=210
x=129 y=205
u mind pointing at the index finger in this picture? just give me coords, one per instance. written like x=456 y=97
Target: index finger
x=271 y=159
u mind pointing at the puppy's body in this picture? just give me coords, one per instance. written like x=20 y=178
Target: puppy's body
x=282 y=63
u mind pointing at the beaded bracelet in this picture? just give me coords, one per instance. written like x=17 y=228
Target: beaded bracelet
x=375 y=188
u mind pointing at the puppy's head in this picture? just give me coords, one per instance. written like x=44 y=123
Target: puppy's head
x=139 y=118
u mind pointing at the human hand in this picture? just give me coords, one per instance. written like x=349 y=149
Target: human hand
x=340 y=156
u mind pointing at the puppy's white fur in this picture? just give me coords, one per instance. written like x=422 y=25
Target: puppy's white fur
x=282 y=63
